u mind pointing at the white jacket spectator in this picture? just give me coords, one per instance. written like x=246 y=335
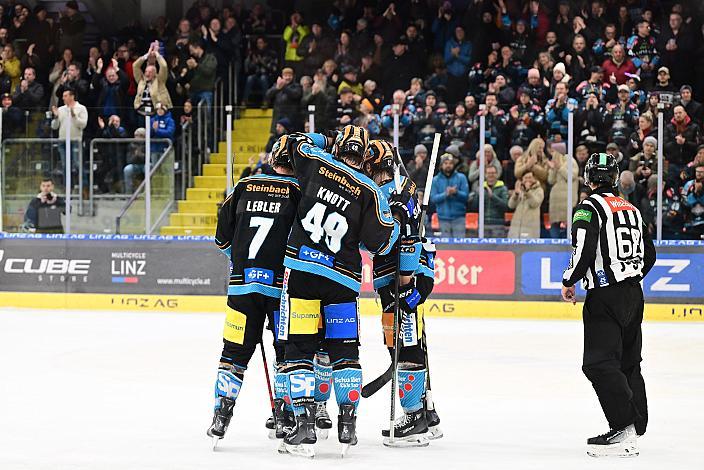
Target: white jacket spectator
x=73 y=110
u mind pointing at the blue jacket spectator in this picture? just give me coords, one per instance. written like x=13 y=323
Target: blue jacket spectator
x=163 y=127
x=557 y=111
x=458 y=53
x=449 y=194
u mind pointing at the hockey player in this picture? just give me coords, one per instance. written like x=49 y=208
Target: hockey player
x=339 y=209
x=612 y=253
x=252 y=230
x=411 y=430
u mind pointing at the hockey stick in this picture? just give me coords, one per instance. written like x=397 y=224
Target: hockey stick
x=377 y=384
x=397 y=305
x=268 y=380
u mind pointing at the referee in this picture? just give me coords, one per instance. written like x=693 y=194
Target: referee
x=612 y=253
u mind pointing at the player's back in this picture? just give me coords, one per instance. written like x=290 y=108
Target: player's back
x=340 y=208
x=253 y=227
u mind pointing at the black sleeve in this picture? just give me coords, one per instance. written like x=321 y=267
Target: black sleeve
x=650 y=255
x=585 y=236
x=226 y=221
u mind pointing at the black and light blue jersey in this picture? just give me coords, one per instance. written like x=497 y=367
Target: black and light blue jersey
x=340 y=209
x=253 y=227
x=385 y=265
x=426 y=263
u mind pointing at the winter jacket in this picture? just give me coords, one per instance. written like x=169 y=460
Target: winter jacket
x=157 y=89
x=495 y=206
x=286 y=103
x=695 y=203
x=165 y=129
x=473 y=175
x=203 y=78
x=539 y=169
x=457 y=66
x=526 y=218
x=31 y=99
x=450 y=207
x=557 y=179
x=293 y=38
x=106 y=90
x=681 y=154
x=619 y=71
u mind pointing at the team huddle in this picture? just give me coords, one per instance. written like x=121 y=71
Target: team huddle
x=294 y=238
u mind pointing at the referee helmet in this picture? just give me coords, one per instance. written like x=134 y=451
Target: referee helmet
x=601 y=169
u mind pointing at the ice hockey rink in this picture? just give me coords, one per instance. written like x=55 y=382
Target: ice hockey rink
x=119 y=390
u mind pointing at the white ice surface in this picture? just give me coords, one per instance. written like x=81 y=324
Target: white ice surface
x=82 y=390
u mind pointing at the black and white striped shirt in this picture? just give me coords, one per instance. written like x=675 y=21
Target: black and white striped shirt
x=610 y=242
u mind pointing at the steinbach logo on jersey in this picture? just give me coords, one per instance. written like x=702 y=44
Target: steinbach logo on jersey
x=617 y=204
x=342 y=180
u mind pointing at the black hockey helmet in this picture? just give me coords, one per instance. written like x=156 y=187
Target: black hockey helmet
x=279 y=153
x=351 y=141
x=601 y=169
x=378 y=157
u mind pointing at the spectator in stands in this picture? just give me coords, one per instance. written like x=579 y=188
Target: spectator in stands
x=673 y=211
x=368 y=119
x=535 y=161
x=318 y=97
x=285 y=96
x=61 y=67
x=676 y=45
x=621 y=118
x=429 y=118
x=151 y=84
x=496 y=123
x=12 y=118
x=526 y=120
x=558 y=172
x=71 y=117
x=688 y=173
x=557 y=111
x=72 y=26
x=349 y=80
x=11 y=64
x=283 y=126
x=43 y=214
x=418 y=167
x=693 y=108
x=5 y=80
x=693 y=193
x=29 y=94
x=642 y=50
x=405 y=121
x=449 y=194
x=202 y=66
x=111 y=90
x=628 y=189
x=315 y=48
x=135 y=161
x=535 y=88
x=217 y=43
x=260 y=67
x=603 y=47
x=458 y=126
x=617 y=66
x=490 y=159
x=163 y=127
x=525 y=201
x=578 y=59
x=397 y=68
x=109 y=172
x=458 y=53
x=495 y=203
x=347 y=108
x=443 y=26
x=681 y=140
x=71 y=78
x=293 y=34
x=180 y=42
x=509 y=173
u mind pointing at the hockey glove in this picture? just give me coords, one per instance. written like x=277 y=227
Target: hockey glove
x=402 y=207
x=409 y=296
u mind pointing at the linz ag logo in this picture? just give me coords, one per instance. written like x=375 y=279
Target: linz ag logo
x=47 y=269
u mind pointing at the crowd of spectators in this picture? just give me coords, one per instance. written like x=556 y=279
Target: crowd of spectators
x=525 y=66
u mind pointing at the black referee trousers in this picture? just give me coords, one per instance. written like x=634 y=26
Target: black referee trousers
x=613 y=340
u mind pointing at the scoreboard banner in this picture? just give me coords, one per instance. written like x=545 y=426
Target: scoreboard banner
x=465 y=269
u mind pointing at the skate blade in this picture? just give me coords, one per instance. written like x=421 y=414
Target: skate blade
x=434 y=432
x=344 y=450
x=420 y=440
x=301 y=450
x=272 y=434
x=322 y=433
x=620 y=451
x=281 y=449
x=216 y=441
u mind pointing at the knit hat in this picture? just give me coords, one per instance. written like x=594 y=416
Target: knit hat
x=419 y=148
x=651 y=140
x=453 y=150
x=560 y=67
x=446 y=157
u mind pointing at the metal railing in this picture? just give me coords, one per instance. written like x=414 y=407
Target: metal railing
x=149 y=225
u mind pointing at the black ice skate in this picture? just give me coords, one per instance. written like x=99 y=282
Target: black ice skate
x=323 y=423
x=347 y=427
x=301 y=439
x=410 y=430
x=221 y=419
x=615 y=443
x=433 y=420
x=285 y=420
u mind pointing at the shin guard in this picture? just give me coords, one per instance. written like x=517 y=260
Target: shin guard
x=301 y=387
x=411 y=387
x=347 y=380
x=228 y=383
x=323 y=375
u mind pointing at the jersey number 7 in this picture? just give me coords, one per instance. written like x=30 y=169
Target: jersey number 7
x=263 y=225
